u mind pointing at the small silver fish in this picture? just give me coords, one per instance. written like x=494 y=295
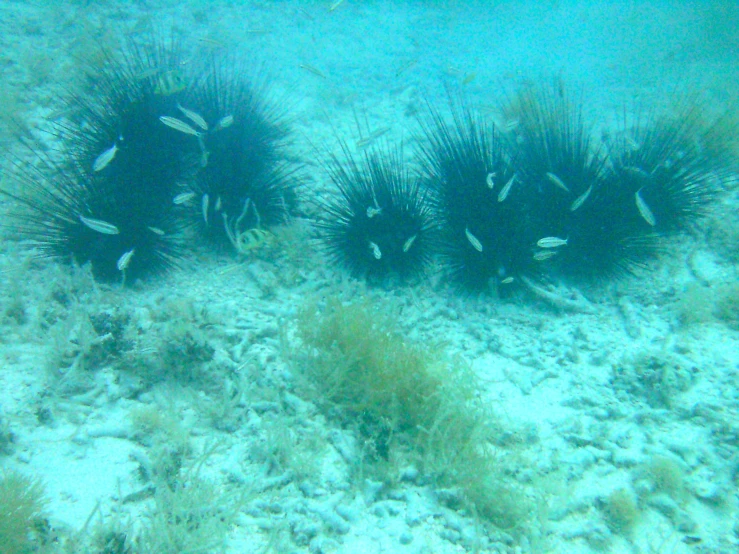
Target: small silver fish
x=551 y=242
x=313 y=70
x=219 y=204
x=405 y=67
x=489 y=180
x=507 y=281
x=183 y=198
x=204 y=206
x=474 y=241
x=372 y=212
x=408 y=243
x=636 y=171
x=204 y=154
x=542 y=255
x=375 y=250
x=373 y=136
x=195 y=117
x=156 y=231
x=100 y=226
x=125 y=259
x=469 y=78
x=102 y=161
x=557 y=181
x=644 y=210
x=145 y=74
x=580 y=200
x=503 y=194
x=178 y=125
x=211 y=42
x=511 y=125
x=224 y=122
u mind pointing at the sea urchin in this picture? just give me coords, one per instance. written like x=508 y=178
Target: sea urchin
x=380 y=226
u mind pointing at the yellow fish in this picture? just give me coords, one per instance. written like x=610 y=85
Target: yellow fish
x=170 y=82
x=251 y=239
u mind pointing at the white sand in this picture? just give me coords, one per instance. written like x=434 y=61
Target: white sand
x=563 y=383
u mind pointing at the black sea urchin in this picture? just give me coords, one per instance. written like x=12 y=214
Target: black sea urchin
x=106 y=197
x=380 y=226
x=582 y=221
x=56 y=208
x=246 y=181
x=671 y=167
x=486 y=237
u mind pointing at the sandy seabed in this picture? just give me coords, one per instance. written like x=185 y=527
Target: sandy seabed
x=620 y=401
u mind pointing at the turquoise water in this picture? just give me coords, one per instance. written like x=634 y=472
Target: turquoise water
x=197 y=412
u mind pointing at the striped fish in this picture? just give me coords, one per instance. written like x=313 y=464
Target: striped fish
x=551 y=242
x=183 y=198
x=503 y=194
x=100 y=226
x=644 y=210
x=125 y=259
x=542 y=255
x=224 y=122
x=195 y=117
x=178 y=125
x=102 y=161
x=580 y=200
x=408 y=243
x=557 y=181
x=474 y=241
x=489 y=181
x=376 y=252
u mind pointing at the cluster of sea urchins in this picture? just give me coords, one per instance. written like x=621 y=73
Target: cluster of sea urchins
x=535 y=197
x=380 y=225
x=158 y=148
x=155 y=148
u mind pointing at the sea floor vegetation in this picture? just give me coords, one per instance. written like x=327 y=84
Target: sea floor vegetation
x=577 y=394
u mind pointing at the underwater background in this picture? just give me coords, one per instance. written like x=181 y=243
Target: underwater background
x=262 y=390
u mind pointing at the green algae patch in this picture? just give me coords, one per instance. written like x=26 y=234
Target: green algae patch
x=22 y=505
x=621 y=511
x=410 y=404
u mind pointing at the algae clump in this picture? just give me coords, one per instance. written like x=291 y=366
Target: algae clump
x=410 y=403
x=621 y=511
x=22 y=504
